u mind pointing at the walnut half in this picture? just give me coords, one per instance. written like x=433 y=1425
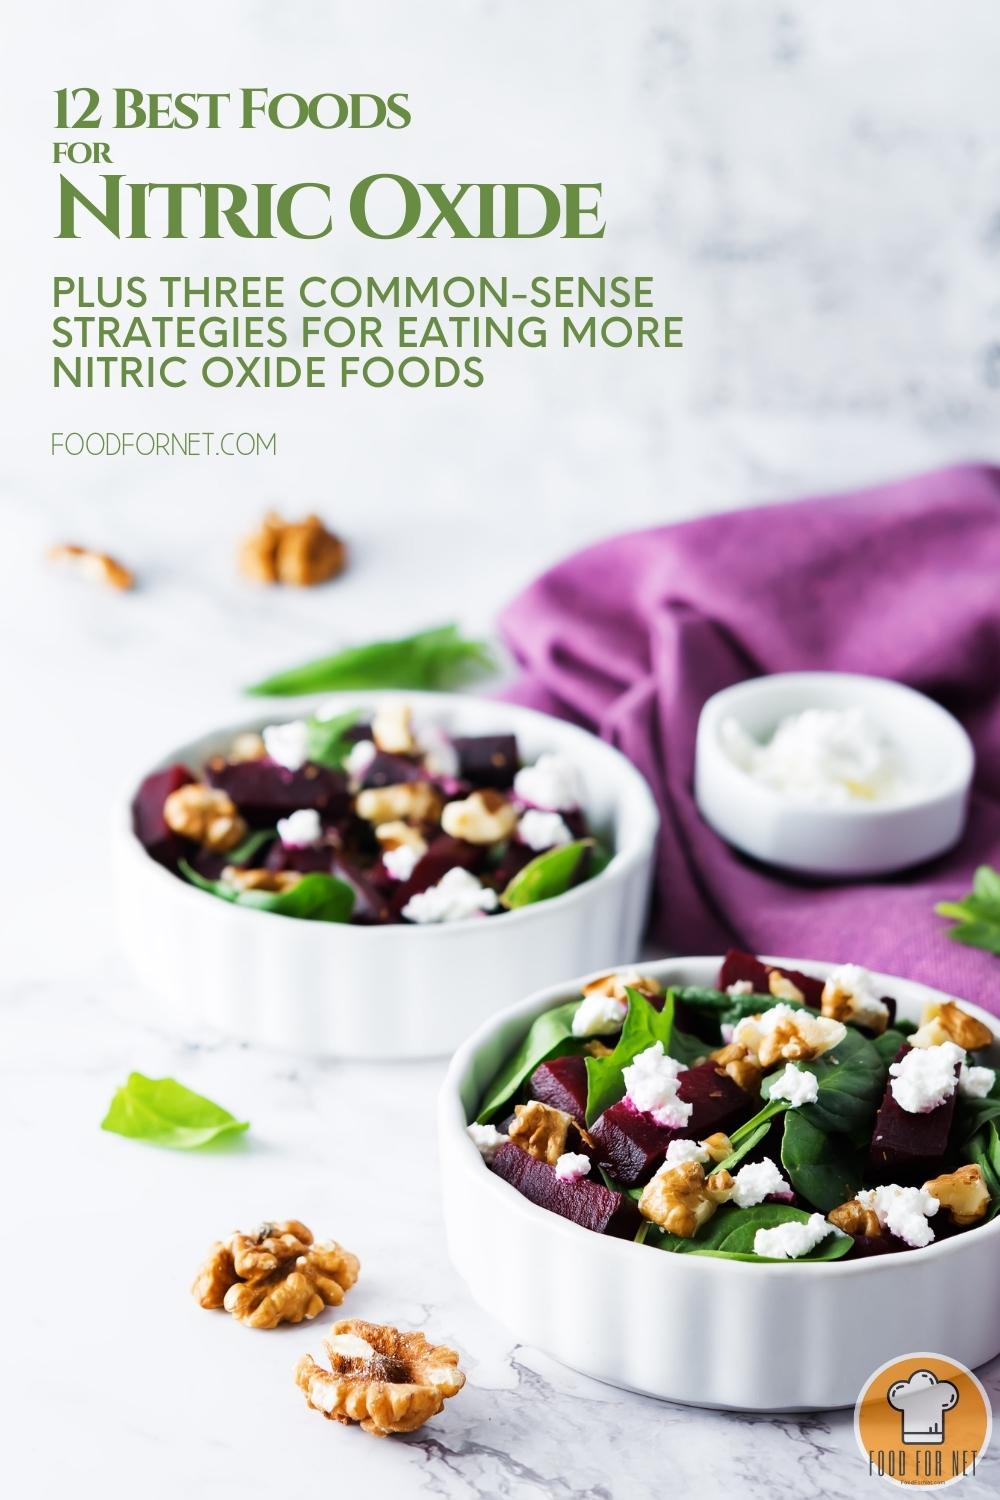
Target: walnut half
x=302 y=553
x=546 y=1133
x=205 y=815
x=276 y=1275
x=387 y=1380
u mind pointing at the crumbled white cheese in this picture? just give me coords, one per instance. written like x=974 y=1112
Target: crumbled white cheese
x=740 y=987
x=651 y=1085
x=487 y=1139
x=823 y=757
x=301 y=830
x=552 y=783
x=288 y=744
x=572 y=1165
x=727 y=1028
x=818 y=1033
x=795 y=1085
x=543 y=830
x=457 y=895
x=401 y=862
x=756 y=1181
x=796 y=1237
x=439 y=754
x=599 y=1015
x=867 y=1008
x=975 y=1083
x=925 y=1077
x=359 y=758
x=904 y=1211
x=679 y=1152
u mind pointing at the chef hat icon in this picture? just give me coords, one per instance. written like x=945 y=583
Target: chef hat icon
x=922 y=1401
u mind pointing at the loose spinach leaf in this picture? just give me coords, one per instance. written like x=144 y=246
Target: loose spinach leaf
x=823 y=1169
x=851 y=1078
x=687 y=1049
x=547 y=875
x=729 y=1234
x=245 y=851
x=717 y=1008
x=165 y=1113
x=551 y=1035
x=888 y=1044
x=644 y=1027
x=315 y=898
x=327 y=743
x=977 y=916
x=971 y=1114
x=437 y=658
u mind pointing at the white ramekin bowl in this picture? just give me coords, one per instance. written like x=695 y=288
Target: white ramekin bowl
x=862 y=838
x=385 y=992
x=771 y=1337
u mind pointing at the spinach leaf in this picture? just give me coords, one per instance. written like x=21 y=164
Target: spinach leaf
x=165 y=1113
x=326 y=739
x=644 y=1027
x=971 y=1114
x=749 y=1138
x=549 y=874
x=687 y=1049
x=888 y=1044
x=315 y=898
x=851 y=1078
x=977 y=916
x=984 y=1150
x=245 y=851
x=823 y=1169
x=437 y=658
x=729 y=1234
x=716 y=1008
x=551 y=1035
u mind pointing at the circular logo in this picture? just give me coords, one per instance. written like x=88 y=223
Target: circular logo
x=923 y=1420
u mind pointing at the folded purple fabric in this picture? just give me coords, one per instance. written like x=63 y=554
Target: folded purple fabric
x=631 y=636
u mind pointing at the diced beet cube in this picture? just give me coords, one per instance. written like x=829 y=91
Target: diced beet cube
x=147 y=813
x=908 y=1147
x=562 y=1083
x=738 y=967
x=718 y=1102
x=443 y=854
x=587 y=1203
x=866 y=1245
x=391 y=770
x=515 y=857
x=370 y=903
x=308 y=861
x=630 y=1144
x=488 y=759
x=264 y=791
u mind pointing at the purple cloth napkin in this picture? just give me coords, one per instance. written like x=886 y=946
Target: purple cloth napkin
x=632 y=635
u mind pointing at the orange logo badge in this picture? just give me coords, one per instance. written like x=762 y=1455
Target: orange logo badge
x=923 y=1420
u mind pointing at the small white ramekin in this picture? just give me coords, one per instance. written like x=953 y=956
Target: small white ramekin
x=770 y=1337
x=863 y=838
x=385 y=992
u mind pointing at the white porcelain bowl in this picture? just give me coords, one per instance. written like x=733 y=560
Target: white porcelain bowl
x=861 y=838
x=396 y=991
x=770 y=1337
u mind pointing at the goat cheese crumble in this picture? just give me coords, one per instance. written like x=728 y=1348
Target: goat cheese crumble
x=791 y=1240
x=301 y=830
x=740 y=987
x=651 y=1087
x=599 y=1015
x=440 y=755
x=359 y=758
x=572 y=1165
x=679 y=1152
x=822 y=757
x=487 y=1139
x=756 y=1181
x=287 y=744
x=975 y=1083
x=552 y=784
x=866 y=1007
x=543 y=830
x=904 y=1211
x=401 y=862
x=795 y=1085
x=925 y=1077
x=456 y=896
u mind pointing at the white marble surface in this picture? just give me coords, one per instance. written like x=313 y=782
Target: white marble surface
x=815 y=189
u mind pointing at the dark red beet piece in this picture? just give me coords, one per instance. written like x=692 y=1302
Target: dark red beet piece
x=443 y=854
x=147 y=813
x=562 y=1083
x=875 y=1244
x=587 y=1203
x=370 y=903
x=307 y=861
x=907 y=1148
x=264 y=791
x=391 y=770
x=738 y=966
x=631 y=1144
x=488 y=759
x=516 y=856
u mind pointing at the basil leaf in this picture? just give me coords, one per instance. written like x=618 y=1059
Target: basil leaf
x=644 y=1027
x=547 y=875
x=822 y=1169
x=977 y=916
x=245 y=851
x=165 y=1113
x=315 y=898
x=729 y=1235
x=551 y=1035
x=438 y=658
x=326 y=739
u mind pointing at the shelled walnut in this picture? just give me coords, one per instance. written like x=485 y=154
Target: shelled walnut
x=205 y=815
x=96 y=567
x=278 y=1274
x=301 y=553
x=546 y=1133
x=386 y=1380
